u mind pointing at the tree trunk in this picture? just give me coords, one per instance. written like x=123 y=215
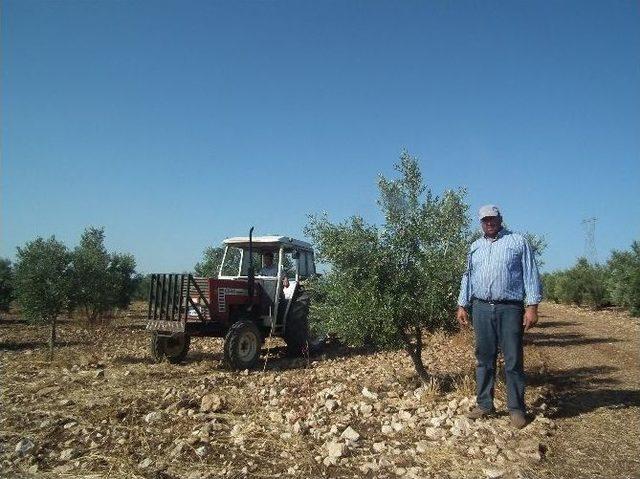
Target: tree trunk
x=52 y=338
x=414 y=348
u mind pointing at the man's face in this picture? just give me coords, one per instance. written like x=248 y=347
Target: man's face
x=491 y=225
x=268 y=260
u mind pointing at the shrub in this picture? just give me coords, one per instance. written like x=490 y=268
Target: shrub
x=623 y=281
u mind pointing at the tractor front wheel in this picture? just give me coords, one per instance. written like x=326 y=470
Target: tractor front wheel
x=174 y=348
x=242 y=345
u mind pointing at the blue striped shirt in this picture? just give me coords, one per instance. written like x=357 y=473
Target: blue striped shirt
x=501 y=269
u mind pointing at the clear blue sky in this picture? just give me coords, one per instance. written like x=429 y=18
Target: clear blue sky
x=176 y=123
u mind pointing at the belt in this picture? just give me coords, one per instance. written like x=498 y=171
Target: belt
x=513 y=302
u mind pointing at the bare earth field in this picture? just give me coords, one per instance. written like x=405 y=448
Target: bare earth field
x=102 y=409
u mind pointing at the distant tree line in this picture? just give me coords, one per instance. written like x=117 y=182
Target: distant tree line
x=49 y=279
x=615 y=283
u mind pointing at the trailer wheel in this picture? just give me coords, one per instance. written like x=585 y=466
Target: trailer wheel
x=297 y=334
x=242 y=345
x=174 y=348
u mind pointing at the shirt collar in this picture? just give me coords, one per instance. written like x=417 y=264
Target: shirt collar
x=503 y=231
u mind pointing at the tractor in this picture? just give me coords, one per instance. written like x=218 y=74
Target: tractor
x=241 y=305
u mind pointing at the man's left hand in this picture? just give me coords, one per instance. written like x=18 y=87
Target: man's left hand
x=530 y=316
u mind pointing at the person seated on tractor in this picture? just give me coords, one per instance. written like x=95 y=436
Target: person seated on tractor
x=270 y=269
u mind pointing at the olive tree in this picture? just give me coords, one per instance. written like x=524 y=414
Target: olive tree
x=6 y=284
x=102 y=281
x=210 y=264
x=42 y=279
x=390 y=283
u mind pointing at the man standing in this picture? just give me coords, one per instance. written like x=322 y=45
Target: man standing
x=502 y=287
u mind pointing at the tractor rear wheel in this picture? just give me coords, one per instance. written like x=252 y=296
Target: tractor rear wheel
x=174 y=348
x=242 y=345
x=297 y=334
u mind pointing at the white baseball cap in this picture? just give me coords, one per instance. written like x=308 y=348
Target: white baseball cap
x=488 y=210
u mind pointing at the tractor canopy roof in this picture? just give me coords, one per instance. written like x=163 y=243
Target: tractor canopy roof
x=269 y=242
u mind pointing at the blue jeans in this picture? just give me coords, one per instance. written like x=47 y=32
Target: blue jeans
x=499 y=326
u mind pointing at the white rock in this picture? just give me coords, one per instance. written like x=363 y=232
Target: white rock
x=24 y=446
x=493 y=473
x=386 y=429
x=405 y=415
x=433 y=434
x=211 y=403
x=202 y=451
x=67 y=454
x=350 y=434
x=336 y=449
x=379 y=446
x=331 y=405
x=366 y=408
x=397 y=426
x=369 y=394
x=153 y=416
x=422 y=447
x=146 y=462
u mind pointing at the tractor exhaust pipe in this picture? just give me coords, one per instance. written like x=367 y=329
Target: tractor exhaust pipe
x=251 y=274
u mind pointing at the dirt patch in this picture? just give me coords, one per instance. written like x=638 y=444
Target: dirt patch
x=102 y=407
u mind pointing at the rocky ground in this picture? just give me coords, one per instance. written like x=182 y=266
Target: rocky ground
x=100 y=408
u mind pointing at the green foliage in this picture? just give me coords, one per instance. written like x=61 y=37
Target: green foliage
x=582 y=284
x=538 y=245
x=123 y=280
x=550 y=286
x=6 y=284
x=143 y=286
x=42 y=279
x=389 y=283
x=623 y=281
x=102 y=281
x=210 y=264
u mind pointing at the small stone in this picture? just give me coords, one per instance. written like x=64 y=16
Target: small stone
x=379 y=446
x=366 y=408
x=70 y=424
x=350 y=434
x=153 y=416
x=336 y=449
x=331 y=405
x=491 y=450
x=405 y=415
x=67 y=454
x=493 y=473
x=386 y=429
x=211 y=403
x=24 y=446
x=146 y=462
x=65 y=402
x=422 y=447
x=99 y=374
x=202 y=450
x=369 y=394
x=433 y=433
x=397 y=426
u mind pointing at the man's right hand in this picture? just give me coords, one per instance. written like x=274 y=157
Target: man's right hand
x=463 y=317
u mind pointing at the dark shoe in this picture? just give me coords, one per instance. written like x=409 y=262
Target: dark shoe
x=478 y=413
x=517 y=419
